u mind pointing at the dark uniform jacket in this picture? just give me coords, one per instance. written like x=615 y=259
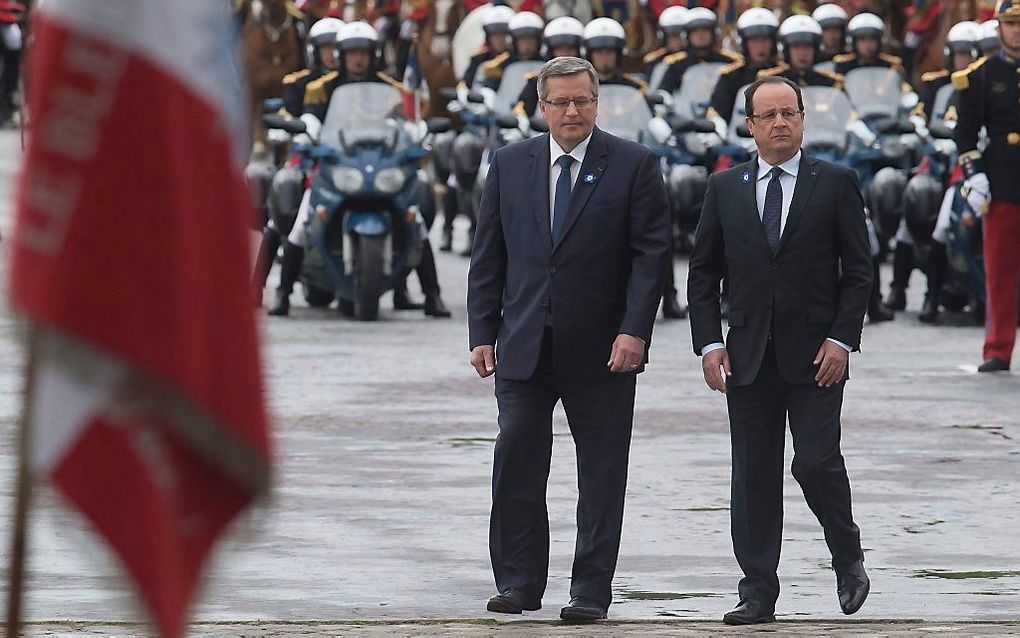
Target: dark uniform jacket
x=847 y=62
x=826 y=56
x=317 y=93
x=492 y=71
x=804 y=77
x=931 y=82
x=294 y=85
x=989 y=96
x=478 y=60
x=680 y=62
x=731 y=79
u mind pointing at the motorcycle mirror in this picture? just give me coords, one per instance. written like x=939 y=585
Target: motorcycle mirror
x=887 y=126
x=448 y=93
x=655 y=98
x=289 y=124
x=539 y=124
x=940 y=131
x=506 y=121
x=439 y=125
x=680 y=124
x=742 y=131
x=906 y=126
x=475 y=97
x=272 y=105
x=705 y=125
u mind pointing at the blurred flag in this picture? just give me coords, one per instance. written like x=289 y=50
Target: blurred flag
x=130 y=262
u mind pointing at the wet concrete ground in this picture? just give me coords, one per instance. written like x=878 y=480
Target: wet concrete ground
x=381 y=502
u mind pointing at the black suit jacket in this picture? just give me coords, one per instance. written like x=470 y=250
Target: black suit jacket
x=816 y=286
x=603 y=277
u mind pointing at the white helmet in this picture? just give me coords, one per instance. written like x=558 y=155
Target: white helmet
x=564 y=31
x=672 y=20
x=604 y=33
x=799 y=29
x=757 y=22
x=963 y=37
x=831 y=16
x=357 y=35
x=866 y=25
x=497 y=19
x=989 y=41
x=700 y=18
x=526 y=24
x=324 y=31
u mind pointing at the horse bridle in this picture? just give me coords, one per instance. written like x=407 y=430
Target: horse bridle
x=272 y=31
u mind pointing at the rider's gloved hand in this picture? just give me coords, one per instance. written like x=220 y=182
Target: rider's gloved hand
x=978 y=192
x=312 y=125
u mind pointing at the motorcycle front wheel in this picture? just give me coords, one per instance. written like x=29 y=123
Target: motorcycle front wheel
x=368 y=277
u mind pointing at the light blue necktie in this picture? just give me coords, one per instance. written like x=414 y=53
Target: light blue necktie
x=561 y=198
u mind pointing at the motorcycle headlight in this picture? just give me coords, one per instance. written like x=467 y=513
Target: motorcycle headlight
x=347 y=179
x=389 y=180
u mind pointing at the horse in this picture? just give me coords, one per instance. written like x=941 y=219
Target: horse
x=271 y=48
x=580 y=9
x=434 y=50
x=930 y=54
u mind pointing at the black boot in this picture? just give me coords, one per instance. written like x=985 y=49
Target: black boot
x=449 y=214
x=936 y=279
x=264 y=263
x=877 y=310
x=903 y=265
x=470 y=241
x=290 y=270
x=401 y=300
x=428 y=275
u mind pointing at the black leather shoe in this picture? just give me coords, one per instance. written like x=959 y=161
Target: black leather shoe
x=930 y=310
x=994 y=365
x=750 y=612
x=878 y=312
x=282 y=307
x=512 y=601
x=447 y=243
x=852 y=588
x=401 y=300
x=434 y=307
x=672 y=308
x=896 y=299
x=582 y=610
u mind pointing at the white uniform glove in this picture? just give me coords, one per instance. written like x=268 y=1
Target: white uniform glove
x=978 y=192
x=312 y=126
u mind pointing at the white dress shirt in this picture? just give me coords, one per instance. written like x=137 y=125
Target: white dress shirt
x=555 y=152
x=788 y=181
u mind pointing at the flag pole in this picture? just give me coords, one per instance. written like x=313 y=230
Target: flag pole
x=16 y=581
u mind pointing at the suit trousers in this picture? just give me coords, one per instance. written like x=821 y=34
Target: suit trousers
x=758 y=414
x=600 y=415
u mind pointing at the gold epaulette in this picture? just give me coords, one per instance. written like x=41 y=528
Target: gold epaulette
x=961 y=78
x=673 y=58
x=931 y=76
x=732 y=55
x=891 y=59
x=491 y=69
x=528 y=77
x=315 y=92
x=641 y=83
x=838 y=78
x=844 y=57
x=291 y=78
x=388 y=79
x=951 y=114
x=652 y=56
x=732 y=66
x=519 y=109
x=776 y=70
x=294 y=11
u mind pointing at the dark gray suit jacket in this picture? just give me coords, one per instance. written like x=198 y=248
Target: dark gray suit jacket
x=603 y=277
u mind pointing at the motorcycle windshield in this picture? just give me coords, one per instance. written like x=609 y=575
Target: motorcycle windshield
x=623 y=111
x=874 y=91
x=695 y=90
x=360 y=112
x=827 y=112
x=512 y=83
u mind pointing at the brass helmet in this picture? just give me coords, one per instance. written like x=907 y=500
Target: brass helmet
x=1007 y=10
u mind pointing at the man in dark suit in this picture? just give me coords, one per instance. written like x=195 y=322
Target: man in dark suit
x=566 y=275
x=788 y=233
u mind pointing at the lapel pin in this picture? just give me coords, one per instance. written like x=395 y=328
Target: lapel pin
x=589 y=178
x=746 y=177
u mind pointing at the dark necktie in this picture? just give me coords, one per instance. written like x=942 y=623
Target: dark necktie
x=772 y=212
x=561 y=199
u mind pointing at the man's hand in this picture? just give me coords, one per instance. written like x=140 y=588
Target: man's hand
x=483 y=360
x=628 y=354
x=716 y=367
x=832 y=359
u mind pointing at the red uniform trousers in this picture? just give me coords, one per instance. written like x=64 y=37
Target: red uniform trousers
x=1002 y=278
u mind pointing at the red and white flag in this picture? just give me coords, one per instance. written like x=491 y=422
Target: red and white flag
x=131 y=261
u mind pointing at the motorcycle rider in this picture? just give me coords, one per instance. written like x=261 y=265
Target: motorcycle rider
x=801 y=37
x=701 y=27
x=358 y=50
x=321 y=60
x=833 y=20
x=496 y=24
x=960 y=51
x=604 y=40
x=526 y=44
x=990 y=43
x=563 y=37
x=757 y=29
x=671 y=36
x=866 y=31
x=989 y=93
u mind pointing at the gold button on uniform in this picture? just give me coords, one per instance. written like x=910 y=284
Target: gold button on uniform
x=1013 y=138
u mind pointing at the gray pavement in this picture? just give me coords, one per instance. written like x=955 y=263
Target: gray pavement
x=380 y=508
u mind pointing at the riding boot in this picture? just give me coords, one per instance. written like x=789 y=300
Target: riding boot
x=290 y=270
x=877 y=310
x=428 y=275
x=937 y=265
x=903 y=265
x=449 y=214
x=401 y=300
x=470 y=242
x=264 y=262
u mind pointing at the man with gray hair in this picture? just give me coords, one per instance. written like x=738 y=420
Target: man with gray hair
x=566 y=274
